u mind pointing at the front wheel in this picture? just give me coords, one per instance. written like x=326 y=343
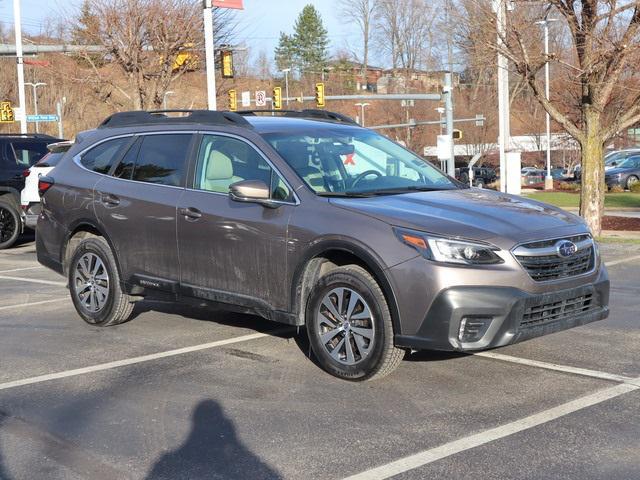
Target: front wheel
x=631 y=181
x=10 y=224
x=349 y=325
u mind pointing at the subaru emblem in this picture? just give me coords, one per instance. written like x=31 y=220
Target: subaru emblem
x=565 y=248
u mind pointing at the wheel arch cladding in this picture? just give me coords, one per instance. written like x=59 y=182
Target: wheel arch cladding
x=323 y=257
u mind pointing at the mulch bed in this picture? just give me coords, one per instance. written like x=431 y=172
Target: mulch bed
x=621 y=223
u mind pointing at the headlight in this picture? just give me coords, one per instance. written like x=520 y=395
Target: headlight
x=447 y=250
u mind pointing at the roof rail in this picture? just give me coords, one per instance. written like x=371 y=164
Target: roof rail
x=306 y=113
x=160 y=117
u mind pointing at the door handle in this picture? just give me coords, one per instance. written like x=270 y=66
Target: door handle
x=110 y=200
x=190 y=213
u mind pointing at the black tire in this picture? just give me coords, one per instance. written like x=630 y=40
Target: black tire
x=631 y=180
x=10 y=223
x=479 y=183
x=464 y=178
x=117 y=306
x=383 y=357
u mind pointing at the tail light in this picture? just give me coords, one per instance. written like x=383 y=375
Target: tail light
x=26 y=173
x=44 y=184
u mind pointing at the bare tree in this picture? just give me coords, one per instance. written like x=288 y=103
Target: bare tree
x=405 y=30
x=361 y=13
x=596 y=91
x=143 y=38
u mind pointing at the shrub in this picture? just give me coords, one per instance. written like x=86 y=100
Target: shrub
x=635 y=188
x=569 y=186
x=616 y=189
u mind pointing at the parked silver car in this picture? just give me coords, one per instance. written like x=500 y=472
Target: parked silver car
x=308 y=219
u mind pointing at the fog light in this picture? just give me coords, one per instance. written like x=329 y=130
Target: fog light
x=473 y=328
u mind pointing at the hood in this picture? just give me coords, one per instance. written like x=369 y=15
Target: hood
x=469 y=213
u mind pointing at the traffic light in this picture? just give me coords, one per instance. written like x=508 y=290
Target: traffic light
x=233 y=100
x=457 y=134
x=227 y=63
x=320 y=94
x=277 y=98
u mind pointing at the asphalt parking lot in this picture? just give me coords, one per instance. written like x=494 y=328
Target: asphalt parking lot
x=185 y=392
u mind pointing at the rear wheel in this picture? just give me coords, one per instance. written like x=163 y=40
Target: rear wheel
x=631 y=181
x=94 y=284
x=349 y=325
x=9 y=223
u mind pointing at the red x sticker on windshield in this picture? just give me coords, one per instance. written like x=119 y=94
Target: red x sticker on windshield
x=349 y=160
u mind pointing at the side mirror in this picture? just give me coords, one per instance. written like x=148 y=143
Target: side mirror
x=253 y=191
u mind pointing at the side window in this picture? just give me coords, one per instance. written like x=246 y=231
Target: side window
x=125 y=167
x=100 y=159
x=223 y=161
x=162 y=159
x=28 y=153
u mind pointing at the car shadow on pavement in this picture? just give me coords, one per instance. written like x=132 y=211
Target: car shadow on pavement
x=207 y=313
x=211 y=450
x=3 y=472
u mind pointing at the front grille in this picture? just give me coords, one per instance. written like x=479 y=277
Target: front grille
x=542 y=263
x=559 y=310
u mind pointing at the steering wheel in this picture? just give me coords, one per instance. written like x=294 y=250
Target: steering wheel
x=365 y=174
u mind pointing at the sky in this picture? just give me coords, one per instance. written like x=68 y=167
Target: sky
x=261 y=21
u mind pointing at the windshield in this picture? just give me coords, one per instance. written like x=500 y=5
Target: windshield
x=356 y=162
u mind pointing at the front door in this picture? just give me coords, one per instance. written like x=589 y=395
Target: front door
x=231 y=251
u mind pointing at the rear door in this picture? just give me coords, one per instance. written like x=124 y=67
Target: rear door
x=137 y=203
x=234 y=251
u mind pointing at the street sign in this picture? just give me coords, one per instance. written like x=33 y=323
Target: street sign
x=42 y=118
x=261 y=98
x=6 y=113
x=246 y=99
x=443 y=147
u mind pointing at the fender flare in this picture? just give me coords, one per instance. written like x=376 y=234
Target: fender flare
x=357 y=249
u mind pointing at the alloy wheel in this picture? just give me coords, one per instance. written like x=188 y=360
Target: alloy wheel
x=7 y=225
x=345 y=326
x=91 y=282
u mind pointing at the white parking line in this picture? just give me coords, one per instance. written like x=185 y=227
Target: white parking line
x=554 y=366
x=622 y=260
x=31 y=304
x=33 y=280
x=19 y=269
x=429 y=456
x=135 y=360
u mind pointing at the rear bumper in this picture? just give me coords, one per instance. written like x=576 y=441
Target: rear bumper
x=31 y=213
x=505 y=315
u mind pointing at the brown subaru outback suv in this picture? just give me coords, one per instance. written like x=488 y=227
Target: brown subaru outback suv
x=307 y=219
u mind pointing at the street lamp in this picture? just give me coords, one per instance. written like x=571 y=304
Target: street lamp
x=362 y=105
x=164 y=98
x=286 y=84
x=548 y=180
x=35 y=98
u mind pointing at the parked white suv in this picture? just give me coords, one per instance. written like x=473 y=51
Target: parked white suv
x=29 y=197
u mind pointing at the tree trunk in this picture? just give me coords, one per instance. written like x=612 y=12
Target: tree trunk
x=593 y=186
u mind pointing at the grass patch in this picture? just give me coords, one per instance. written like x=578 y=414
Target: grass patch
x=632 y=241
x=564 y=199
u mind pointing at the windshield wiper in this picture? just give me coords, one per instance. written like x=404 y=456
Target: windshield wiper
x=407 y=189
x=345 y=194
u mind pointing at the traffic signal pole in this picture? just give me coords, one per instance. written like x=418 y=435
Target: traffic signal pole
x=20 y=64
x=209 y=55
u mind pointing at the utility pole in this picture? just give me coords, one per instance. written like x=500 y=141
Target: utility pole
x=209 y=55
x=286 y=84
x=548 y=180
x=35 y=100
x=500 y=7
x=19 y=60
x=448 y=85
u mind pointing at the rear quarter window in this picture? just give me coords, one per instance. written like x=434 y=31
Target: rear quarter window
x=101 y=158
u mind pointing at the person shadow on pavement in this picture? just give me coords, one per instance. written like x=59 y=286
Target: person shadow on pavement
x=211 y=451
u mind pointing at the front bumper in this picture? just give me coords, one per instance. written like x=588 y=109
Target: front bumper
x=508 y=315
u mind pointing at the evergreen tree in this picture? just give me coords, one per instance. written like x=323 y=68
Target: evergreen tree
x=310 y=41
x=285 y=53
